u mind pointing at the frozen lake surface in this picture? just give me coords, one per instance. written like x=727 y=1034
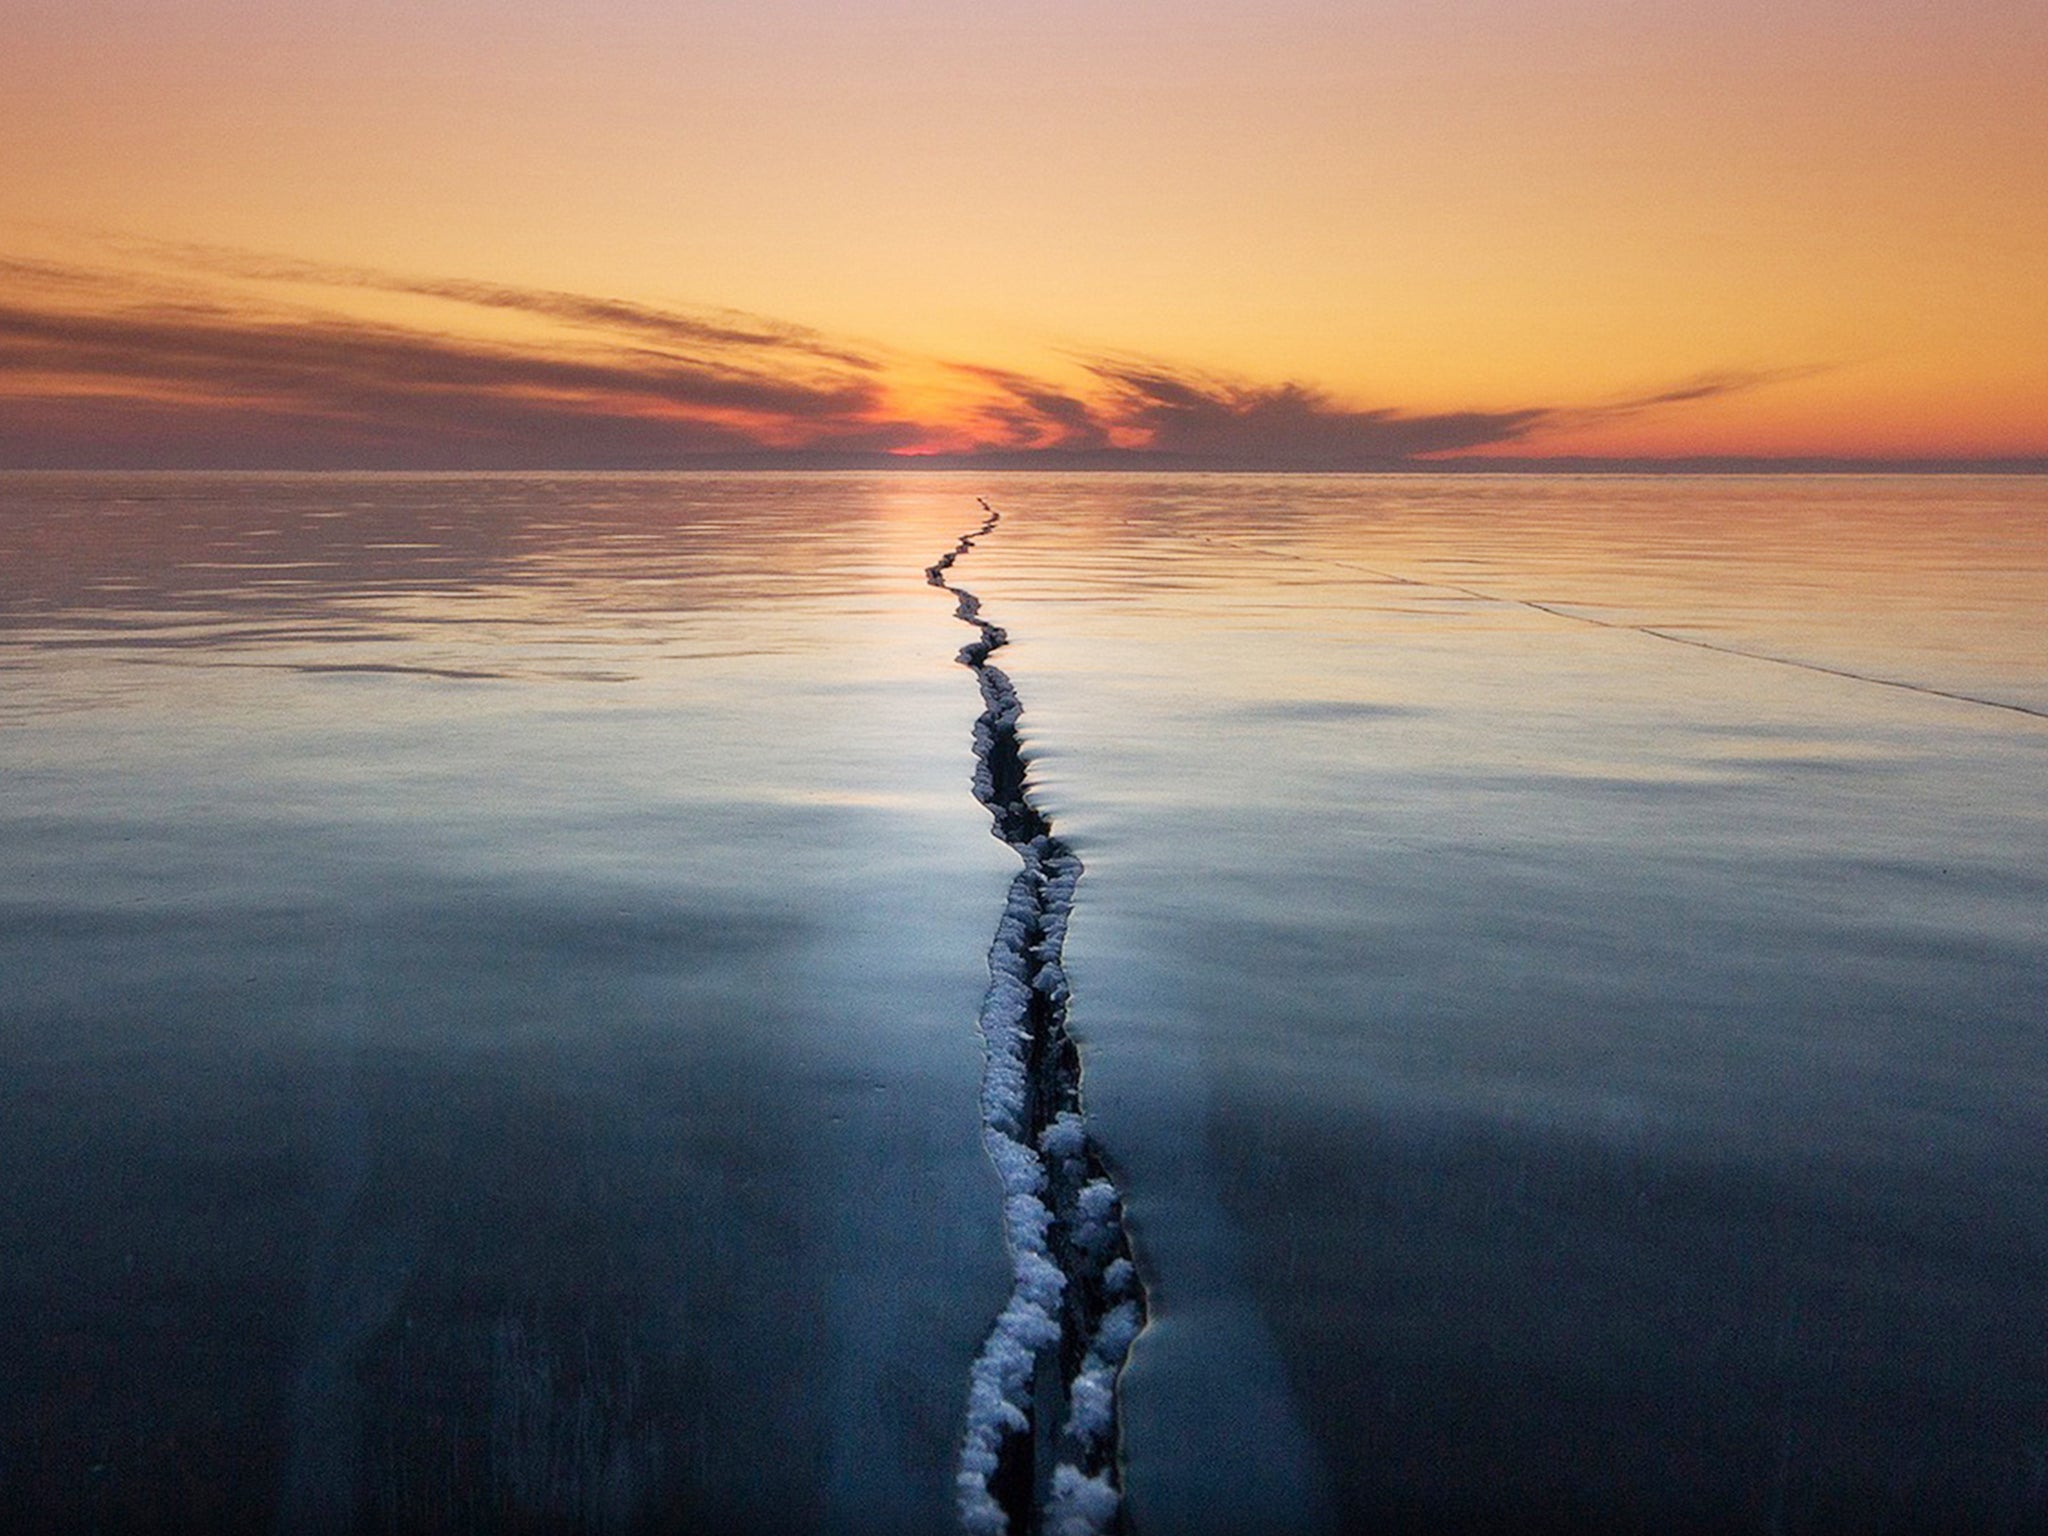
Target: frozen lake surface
x=489 y=970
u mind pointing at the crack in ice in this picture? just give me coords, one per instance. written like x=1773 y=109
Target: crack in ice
x=1649 y=631
x=1040 y=1452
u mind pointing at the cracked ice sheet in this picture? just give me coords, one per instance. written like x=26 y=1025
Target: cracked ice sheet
x=1530 y=1046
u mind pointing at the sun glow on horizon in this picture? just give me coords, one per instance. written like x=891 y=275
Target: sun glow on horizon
x=1297 y=231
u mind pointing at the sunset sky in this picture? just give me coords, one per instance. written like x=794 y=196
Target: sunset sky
x=1284 y=233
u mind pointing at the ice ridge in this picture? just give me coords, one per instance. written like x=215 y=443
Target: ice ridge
x=1039 y=1454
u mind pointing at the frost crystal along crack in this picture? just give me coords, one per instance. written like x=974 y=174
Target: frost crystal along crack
x=1039 y=1452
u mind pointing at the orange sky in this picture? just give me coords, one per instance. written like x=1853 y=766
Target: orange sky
x=1296 y=231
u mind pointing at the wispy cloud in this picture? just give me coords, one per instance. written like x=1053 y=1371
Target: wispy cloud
x=206 y=354
x=327 y=362
x=1018 y=411
x=1149 y=408
x=717 y=329
x=1710 y=386
x=1288 y=424
x=113 y=363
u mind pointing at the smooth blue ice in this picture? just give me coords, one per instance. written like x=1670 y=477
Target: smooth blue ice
x=488 y=971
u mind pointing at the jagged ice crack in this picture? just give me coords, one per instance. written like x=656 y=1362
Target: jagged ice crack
x=1039 y=1450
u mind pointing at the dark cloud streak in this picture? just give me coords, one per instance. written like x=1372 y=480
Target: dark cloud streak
x=137 y=366
x=1289 y=426
x=727 y=331
x=1031 y=413
x=316 y=358
x=1708 y=386
x=104 y=368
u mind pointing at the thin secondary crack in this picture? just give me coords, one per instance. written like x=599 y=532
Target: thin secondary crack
x=1039 y=1452
x=1646 y=630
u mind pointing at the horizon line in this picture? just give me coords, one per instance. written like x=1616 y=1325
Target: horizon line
x=1103 y=461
